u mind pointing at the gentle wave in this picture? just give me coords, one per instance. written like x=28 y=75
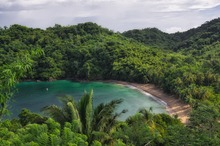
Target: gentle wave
x=147 y=94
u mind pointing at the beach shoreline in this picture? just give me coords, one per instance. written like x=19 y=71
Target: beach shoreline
x=174 y=106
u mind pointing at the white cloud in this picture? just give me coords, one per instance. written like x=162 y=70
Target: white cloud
x=163 y=5
x=118 y=15
x=174 y=29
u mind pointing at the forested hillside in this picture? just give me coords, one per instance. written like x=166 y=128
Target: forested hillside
x=195 y=38
x=152 y=37
x=199 y=37
x=184 y=64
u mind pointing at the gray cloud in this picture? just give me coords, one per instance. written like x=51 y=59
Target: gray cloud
x=167 y=15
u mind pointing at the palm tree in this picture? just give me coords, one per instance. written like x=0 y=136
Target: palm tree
x=149 y=118
x=67 y=113
x=90 y=121
x=105 y=120
x=104 y=116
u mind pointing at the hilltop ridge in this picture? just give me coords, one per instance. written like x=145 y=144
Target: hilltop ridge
x=195 y=38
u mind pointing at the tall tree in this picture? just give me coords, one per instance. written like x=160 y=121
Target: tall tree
x=11 y=72
x=90 y=121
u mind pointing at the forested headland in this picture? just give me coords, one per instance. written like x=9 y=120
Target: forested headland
x=186 y=64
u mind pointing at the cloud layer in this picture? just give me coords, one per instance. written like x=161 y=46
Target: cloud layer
x=167 y=15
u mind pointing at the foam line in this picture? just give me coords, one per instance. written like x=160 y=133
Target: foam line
x=148 y=94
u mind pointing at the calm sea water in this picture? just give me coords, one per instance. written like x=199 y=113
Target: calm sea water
x=35 y=95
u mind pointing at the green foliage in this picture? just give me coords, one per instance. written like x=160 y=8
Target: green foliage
x=88 y=51
x=68 y=113
x=203 y=128
x=96 y=143
x=41 y=134
x=151 y=37
x=26 y=117
x=96 y=123
x=69 y=137
x=85 y=111
x=145 y=128
x=11 y=70
x=206 y=118
x=188 y=68
x=191 y=40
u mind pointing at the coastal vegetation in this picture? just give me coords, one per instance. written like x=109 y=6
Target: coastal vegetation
x=185 y=64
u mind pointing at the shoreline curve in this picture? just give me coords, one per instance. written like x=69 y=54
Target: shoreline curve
x=147 y=94
x=174 y=106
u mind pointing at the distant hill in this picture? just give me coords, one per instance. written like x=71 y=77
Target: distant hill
x=196 y=38
x=152 y=37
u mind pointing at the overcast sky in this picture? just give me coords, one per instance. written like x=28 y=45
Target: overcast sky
x=117 y=15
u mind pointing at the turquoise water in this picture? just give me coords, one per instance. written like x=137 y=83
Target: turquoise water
x=35 y=95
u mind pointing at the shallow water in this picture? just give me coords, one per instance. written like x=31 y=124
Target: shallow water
x=35 y=95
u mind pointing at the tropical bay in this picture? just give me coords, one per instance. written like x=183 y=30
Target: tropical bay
x=135 y=88
x=36 y=95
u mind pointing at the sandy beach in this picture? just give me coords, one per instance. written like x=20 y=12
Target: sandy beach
x=174 y=106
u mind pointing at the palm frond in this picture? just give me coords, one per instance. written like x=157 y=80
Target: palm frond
x=69 y=108
x=147 y=114
x=104 y=115
x=55 y=112
x=74 y=116
x=65 y=99
x=85 y=112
